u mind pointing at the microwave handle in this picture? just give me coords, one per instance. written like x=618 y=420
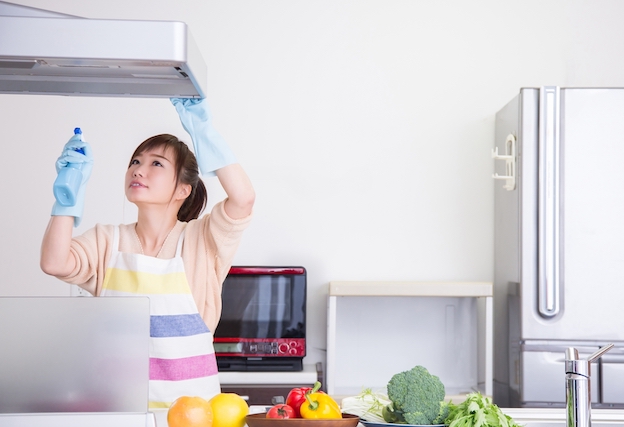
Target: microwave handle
x=236 y=270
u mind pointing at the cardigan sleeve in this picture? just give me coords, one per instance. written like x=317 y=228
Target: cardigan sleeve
x=91 y=250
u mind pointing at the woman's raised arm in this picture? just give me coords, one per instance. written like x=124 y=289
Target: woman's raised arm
x=240 y=192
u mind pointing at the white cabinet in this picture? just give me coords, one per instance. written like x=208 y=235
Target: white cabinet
x=261 y=388
x=377 y=329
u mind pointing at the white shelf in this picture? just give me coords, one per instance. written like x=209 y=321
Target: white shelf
x=444 y=294
x=307 y=376
x=411 y=289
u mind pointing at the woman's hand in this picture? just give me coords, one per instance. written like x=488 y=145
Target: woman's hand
x=78 y=156
x=211 y=150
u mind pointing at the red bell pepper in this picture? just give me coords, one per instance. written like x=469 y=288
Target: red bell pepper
x=297 y=396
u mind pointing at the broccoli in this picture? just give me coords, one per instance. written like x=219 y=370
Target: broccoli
x=417 y=398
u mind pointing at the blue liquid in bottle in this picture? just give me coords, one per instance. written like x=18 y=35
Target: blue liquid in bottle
x=69 y=178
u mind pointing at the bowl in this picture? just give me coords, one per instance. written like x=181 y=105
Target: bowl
x=260 y=420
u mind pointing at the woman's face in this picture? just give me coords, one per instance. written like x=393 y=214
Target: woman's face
x=151 y=177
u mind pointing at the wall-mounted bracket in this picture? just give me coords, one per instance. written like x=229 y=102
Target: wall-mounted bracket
x=510 y=163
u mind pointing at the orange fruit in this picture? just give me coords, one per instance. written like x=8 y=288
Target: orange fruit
x=228 y=410
x=189 y=411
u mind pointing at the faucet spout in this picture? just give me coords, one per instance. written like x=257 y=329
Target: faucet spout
x=578 y=390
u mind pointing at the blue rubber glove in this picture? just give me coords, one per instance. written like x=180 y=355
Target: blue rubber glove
x=210 y=148
x=71 y=155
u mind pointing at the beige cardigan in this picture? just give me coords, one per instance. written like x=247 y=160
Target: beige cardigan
x=210 y=244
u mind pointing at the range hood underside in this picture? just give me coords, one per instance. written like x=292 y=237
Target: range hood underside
x=95 y=78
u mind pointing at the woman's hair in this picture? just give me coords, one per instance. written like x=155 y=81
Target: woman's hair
x=186 y=172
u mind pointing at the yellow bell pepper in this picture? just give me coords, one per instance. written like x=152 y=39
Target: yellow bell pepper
x=319 y=406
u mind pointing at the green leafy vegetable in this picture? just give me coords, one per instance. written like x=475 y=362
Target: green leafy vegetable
x=478 y=411
x=368 y=405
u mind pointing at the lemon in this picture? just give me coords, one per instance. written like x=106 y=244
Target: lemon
x=228 y=410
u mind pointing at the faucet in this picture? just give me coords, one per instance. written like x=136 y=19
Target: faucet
x=578 y=395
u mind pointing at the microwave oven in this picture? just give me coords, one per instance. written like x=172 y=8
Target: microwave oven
x=263 y=320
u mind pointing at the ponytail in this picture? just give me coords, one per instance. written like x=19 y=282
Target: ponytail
x=194 y=203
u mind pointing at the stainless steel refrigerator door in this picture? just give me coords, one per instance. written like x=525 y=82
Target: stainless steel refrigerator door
x=590 y=222
x=519 y=118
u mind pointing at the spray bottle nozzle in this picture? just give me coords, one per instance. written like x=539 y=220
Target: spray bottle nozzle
x=78 y=131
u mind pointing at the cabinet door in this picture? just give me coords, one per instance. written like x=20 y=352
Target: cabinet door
x=260 y=395
x=543 y=376
x=612 y=365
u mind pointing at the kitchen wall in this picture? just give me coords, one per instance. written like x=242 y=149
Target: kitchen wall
x=366 y=127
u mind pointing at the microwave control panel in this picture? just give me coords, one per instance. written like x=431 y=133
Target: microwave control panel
x=265 y=347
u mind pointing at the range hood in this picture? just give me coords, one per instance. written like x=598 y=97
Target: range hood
x=44 y=52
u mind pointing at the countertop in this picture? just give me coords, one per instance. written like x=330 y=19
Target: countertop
x=551 y=416
x=161 y=414
x=529 y=417
x=524 y=416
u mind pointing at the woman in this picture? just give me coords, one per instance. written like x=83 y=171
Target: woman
x=169 y=255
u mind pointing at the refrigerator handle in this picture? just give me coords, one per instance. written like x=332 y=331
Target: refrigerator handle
x=549 y=281
x=510 y=163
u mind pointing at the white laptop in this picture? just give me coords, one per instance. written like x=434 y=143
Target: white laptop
x=74 y=355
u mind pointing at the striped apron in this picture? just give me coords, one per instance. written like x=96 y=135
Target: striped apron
x=182 y=359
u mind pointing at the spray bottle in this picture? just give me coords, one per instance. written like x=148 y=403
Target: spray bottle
x=69 y=178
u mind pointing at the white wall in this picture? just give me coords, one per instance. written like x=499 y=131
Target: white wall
x=366 y=127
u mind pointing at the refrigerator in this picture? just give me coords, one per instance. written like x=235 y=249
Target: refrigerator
x=559 y=243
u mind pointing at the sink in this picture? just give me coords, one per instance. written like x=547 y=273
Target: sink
x=556 y=417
